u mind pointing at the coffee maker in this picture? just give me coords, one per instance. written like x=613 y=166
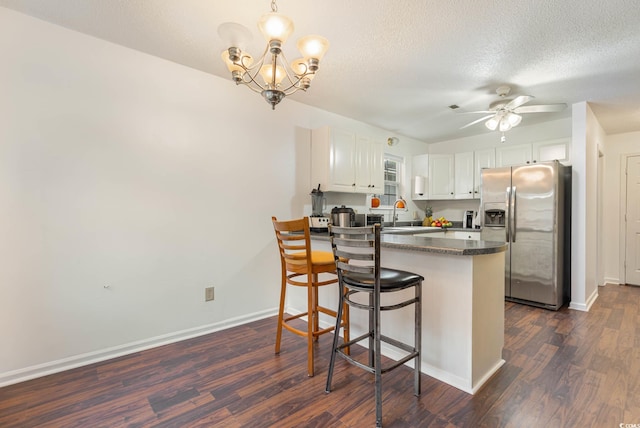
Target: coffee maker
x=318 y=222
x=467 y=219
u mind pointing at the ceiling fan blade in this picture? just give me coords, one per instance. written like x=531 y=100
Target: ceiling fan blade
x=548 y=108
x=477 y=121
x=518 y=101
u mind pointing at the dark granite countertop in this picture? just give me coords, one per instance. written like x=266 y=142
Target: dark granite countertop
x=456 y=247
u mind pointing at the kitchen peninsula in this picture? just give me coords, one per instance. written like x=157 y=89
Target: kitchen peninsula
x=462 y=309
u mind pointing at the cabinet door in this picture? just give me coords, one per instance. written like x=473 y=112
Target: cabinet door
x=482 y=159
x=441 y=176
x=369 y=166
x=513 y=155
x=420 y=174
x=376 y=167
x=552 y=150
x=342 y=161
x=463 y=175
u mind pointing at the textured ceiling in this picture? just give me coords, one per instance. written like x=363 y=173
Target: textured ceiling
x=398 y=64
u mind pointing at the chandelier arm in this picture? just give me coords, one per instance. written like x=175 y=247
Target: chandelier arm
x=294 y=86
x=289 y=72
x=252 y=77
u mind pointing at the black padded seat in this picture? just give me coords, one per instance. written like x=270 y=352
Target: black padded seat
x=356 y=251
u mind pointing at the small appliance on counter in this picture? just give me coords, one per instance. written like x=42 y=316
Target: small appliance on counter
x=343 y=216
x=318 y=222
x=369 y=219
x=468 y=220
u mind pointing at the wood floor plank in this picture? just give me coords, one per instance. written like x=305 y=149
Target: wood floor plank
x=564 y=368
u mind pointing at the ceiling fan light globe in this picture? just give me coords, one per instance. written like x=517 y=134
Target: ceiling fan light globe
x=492 y=123
x=514 y=119
x=504 y=125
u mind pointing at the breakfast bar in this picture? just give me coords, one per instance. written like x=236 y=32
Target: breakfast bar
x=462 y=309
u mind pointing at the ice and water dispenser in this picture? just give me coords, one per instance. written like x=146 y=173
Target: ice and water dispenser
x=494 y=215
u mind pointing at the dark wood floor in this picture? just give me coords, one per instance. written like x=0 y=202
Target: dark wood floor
x=564 y=369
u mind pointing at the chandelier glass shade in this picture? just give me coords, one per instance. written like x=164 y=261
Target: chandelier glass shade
x=277 y=77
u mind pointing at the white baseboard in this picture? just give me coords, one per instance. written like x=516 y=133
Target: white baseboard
x=609 y=280
x=587 y=305
x=75 y=361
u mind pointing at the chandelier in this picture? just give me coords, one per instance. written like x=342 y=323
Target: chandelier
x=271 y=75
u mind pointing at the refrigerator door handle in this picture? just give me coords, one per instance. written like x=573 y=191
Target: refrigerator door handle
x=514 y=207
x=507 y=220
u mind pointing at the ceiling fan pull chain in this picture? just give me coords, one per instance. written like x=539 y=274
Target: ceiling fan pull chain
x=274 y=6
x=503 y=138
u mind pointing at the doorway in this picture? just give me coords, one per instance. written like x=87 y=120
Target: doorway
x=632 y=223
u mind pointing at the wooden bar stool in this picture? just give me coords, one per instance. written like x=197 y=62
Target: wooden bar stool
x=298 y=260
x=357 y=254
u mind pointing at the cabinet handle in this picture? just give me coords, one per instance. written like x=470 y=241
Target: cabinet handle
x=469 y=191
x=534 y=161
x=353 y=185
x=452 y=193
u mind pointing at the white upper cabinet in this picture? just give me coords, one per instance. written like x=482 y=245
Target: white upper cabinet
x=468 y=166
x=341 y=161
x=441 y=176
x=463 y=175
x=420 y=174
x=369 y=165
x=507 y=155
x=559 y=149
x=485 y=158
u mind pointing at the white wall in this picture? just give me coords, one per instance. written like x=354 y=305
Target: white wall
x=617 y=147
x=120 y=169
x=587 y=137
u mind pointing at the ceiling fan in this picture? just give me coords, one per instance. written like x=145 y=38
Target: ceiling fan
x=505 y=113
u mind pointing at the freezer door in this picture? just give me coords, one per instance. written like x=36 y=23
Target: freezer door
x=534 y=274
x=493 y=209
x=495 y=182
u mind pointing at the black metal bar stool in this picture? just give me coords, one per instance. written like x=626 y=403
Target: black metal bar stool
x=356 y=251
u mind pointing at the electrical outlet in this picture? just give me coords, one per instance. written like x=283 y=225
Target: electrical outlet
x=208 y=294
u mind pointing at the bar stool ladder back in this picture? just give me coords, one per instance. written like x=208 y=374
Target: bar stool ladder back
x=302 y=267
x=356 y=252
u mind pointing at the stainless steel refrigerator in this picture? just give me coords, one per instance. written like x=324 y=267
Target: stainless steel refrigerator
x=529 y=208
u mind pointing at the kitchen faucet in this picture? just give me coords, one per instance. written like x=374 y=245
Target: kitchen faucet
x=395 y=204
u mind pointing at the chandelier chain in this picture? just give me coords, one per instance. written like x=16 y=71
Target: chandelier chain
x=274 y=6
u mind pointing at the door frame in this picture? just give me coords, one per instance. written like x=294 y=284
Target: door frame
x=623 y=212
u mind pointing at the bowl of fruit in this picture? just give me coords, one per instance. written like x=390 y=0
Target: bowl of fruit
x=441 y=222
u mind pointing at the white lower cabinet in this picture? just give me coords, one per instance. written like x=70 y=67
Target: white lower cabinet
x=452 y=234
